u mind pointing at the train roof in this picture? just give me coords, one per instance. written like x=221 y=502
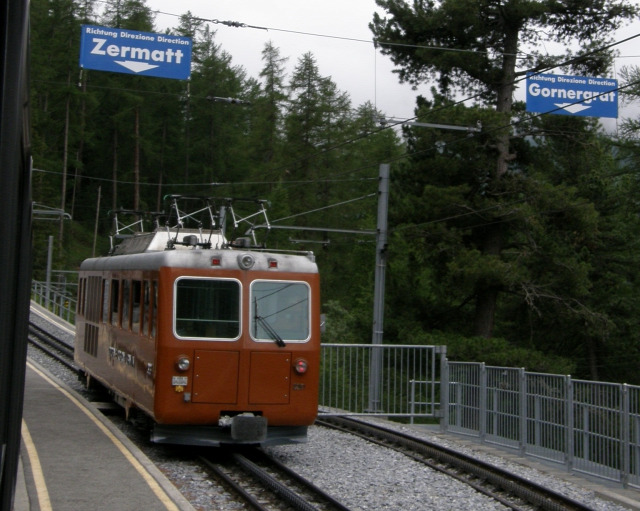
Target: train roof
x=151 y=251
x=161 y=239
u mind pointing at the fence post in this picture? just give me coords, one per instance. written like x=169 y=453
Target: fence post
x=444 y=392
x=570 y=425
x=412 y=409
x=523 y=411
x=482 y=389
x=625 y=443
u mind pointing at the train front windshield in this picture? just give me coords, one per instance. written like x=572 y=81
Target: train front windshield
x=279 y=311
x=208 y=308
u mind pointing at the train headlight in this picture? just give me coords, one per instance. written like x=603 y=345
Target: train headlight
x=183 y=363
x=246 y=261
x=300 y=366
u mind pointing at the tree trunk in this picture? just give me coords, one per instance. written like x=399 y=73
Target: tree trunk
x=593 y=359
x=487 y=292
x=114 y=203
x=65 y=159
x=161 y=172
x=79 y=154
x=136 y=161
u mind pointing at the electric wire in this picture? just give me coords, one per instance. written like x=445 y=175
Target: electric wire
x=405 y=155
x=396 y=124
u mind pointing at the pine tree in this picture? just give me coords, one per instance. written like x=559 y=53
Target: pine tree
x=473 y=46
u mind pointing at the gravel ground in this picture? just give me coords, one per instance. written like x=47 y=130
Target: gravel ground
x=360 y=474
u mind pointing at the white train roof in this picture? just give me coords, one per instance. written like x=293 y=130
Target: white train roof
x=151 y=251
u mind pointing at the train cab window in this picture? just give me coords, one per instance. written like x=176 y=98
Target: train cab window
x=207 y=308
x=115 y=302
x=280 y=311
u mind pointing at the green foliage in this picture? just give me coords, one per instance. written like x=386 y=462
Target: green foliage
x=341 y=325
x=500 y=352
x=516 y=246
x=495 y=351
x=415 y=33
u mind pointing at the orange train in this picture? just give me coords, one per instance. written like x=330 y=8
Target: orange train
x=216 y=345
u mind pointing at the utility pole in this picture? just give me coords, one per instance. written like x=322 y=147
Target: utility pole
x=376 y=361
x=375 y=369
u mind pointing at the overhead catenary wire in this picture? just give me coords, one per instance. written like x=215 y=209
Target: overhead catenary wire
x=403 y=156
x=235 y=24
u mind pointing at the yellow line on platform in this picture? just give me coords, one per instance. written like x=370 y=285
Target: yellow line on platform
x=151 y=482
x=36 y=469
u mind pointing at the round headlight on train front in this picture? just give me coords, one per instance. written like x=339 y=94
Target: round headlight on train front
x=183 y=363
x=246 y=261
x=300 y=366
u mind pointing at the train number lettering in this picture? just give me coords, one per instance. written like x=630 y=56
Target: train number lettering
x=116 y=355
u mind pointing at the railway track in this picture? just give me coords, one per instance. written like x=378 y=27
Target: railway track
x=266 y=484
x=256 y=478
x=509 y=489
x=52 y=346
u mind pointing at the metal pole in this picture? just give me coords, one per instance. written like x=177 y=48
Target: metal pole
x=48 y=277
x=375 y=374
x=95 y=229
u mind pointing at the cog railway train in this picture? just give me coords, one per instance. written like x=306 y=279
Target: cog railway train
x=217 y=342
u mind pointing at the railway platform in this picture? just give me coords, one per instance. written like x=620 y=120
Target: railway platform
x=73 y=458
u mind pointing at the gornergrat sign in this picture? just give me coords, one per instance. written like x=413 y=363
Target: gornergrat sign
x=572 y=95
x=133 y=52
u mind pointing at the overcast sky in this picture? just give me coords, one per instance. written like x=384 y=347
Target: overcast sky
x=342 y=43
x=354 y=65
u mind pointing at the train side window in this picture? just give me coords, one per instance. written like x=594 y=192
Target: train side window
x=145 y=309
x=81 y=296
x=136 y=290
x=105 y=300
x=207 y=308
x=115 y=302
x=126 y=302
x=92 y=301
x=280 y=311
x=154 y=308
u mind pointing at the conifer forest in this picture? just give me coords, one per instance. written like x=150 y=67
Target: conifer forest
x=515 y=245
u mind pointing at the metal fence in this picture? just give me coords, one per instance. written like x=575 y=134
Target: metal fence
x=60 y=300
x=389 y=380
x=589 y=427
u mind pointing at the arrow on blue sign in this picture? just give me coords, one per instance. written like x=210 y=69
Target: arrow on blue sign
x=133 y=52
x=572 y=95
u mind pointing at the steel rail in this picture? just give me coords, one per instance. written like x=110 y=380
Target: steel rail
x=259 y=466
x=52 y=346
x=460 y=466
x=236 y=487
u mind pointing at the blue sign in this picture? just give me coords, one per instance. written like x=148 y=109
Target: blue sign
x=141 y=53
x=572 y=95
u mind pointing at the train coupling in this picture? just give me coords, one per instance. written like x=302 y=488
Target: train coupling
x=245 y=427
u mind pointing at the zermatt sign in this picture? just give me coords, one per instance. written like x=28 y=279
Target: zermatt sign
x=133 y=52
x=572 y=95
